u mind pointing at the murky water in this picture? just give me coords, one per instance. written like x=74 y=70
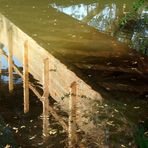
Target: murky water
x=24 y=130
x=72 y=31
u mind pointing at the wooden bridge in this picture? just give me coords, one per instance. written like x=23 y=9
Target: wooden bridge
x=73 y=94
x=61 y=59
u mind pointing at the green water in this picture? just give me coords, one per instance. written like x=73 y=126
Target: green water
x=85 y=35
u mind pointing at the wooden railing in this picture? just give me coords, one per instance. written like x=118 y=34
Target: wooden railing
x=56 y=79
x=71 y=127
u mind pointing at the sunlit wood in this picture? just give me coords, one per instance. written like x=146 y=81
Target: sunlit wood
x=26 y=77
x=51 y=110
x=10 y=58
x=60 y=78
x=0 y=62
x=72 y=116
x=45 y=98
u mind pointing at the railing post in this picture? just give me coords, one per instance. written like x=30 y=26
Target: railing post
x=0 y=61
x=72 y=116
x=10 y=59
x=26 y=77
x=45 y=98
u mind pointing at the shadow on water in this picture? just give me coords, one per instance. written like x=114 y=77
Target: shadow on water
x=24 y=130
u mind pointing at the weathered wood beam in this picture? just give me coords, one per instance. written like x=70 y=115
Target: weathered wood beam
x=45 y=98
x=0 y=61
x=26 y=77
x=10 y=59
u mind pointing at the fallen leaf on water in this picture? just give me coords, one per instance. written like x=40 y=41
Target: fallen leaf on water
x=15 y=128
x=105 y=105
x=107 y=88
x=1 y=134
x=146 y=133
x=135 y=62
x=7 y=125
x=122 y=145
x=7 y=146
x=32 y=137
x=116 y=110
x=52 y=132
x=129 y=143
x=31 y=120
x=133 y=79
x=40 y=143
x=23 y=126
x=109 y=63
x=110 y=123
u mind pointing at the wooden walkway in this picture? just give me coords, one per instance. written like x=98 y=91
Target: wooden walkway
x=75 y=53
x=72 y=93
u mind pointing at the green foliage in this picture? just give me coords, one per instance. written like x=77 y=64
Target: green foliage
x=131 y=15
x=138 y=4
x=141 y=138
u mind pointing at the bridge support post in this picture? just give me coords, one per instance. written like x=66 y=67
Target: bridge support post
x=45 y=101
x=72 y=135
x=0 y=62
x=26 y=77
x=10 y=59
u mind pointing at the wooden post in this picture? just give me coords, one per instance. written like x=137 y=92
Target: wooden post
x=72 y=116
x=0 y=62
x=10 y=59
x=26 y=77
x=45 y=98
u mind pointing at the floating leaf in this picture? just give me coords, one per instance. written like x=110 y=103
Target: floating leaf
x=32 y=137
x=23 y=126
x=31 y=120
x=136 y=107
x=7 y=146
x=122 y=145
x=116 y=110
x=52 y=132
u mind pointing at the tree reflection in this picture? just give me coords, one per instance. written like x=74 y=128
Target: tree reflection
x=105 y=16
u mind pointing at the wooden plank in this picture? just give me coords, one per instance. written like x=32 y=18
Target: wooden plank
x=0 y=61
x=10 y=58
x=72 y=135
x=45 y=98
x=26 y=77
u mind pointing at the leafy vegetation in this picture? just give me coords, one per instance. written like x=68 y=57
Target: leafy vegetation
x=131 y=16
